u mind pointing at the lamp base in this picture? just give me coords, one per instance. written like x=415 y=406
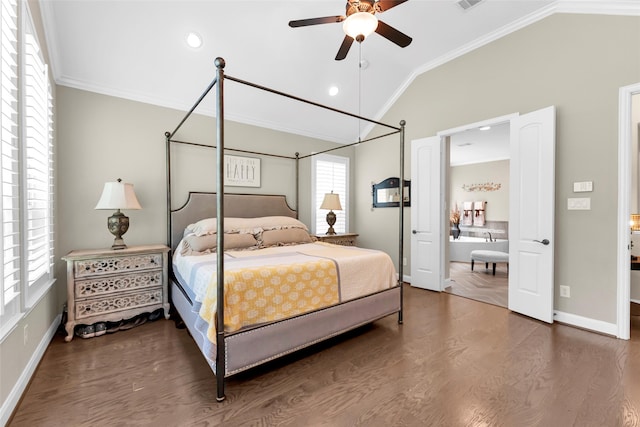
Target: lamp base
x=331 y=220
x=118 y=224
x=118 y=244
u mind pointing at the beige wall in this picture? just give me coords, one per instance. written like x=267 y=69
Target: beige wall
x=101 y=138
x=575 y=62
x=497 y=208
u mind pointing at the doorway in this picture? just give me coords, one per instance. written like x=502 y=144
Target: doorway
x=531 y=211
x=478 y=191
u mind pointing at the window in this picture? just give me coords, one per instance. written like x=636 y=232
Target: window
x=330 y=173
x=26 y=167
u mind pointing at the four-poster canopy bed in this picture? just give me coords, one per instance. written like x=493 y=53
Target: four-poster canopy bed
x=327 y=289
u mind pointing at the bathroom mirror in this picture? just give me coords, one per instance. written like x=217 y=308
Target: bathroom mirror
x=386 y=194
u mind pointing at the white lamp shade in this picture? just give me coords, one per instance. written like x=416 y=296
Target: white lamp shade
x=360 y=24
x=118 y=195
x=331 y=202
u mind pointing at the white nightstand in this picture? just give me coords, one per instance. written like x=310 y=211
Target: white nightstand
x=106 y=285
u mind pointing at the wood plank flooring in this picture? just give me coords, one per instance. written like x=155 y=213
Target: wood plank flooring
x=454 y=362
x=480 y=284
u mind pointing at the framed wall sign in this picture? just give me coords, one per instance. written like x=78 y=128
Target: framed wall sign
x=241 y=171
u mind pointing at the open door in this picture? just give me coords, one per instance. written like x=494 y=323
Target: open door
x=426 y=214
x=531 y=206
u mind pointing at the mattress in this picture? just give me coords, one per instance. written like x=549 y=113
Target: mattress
x=358 y=271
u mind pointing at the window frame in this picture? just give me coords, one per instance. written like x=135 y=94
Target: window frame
x=317 y=216
x=32 y=121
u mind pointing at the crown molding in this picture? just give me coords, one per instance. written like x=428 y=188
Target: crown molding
x=593 y=7
x=620 y=7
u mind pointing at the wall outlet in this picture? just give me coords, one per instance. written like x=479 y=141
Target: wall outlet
x=565 y=291
x=26 y=334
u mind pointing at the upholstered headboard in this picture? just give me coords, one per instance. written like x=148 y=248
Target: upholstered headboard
x=203 y=205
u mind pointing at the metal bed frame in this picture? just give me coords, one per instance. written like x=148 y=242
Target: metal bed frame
x=218 y=82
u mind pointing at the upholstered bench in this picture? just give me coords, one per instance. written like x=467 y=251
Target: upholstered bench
x=489 y=257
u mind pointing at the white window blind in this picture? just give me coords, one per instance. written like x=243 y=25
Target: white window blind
x=26 y=168
x=38 y=132
x=10 y=212
x=330 y=173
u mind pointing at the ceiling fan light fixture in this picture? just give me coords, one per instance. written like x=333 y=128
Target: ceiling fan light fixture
x=360 y=25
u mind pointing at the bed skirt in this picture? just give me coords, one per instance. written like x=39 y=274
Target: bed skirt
x=248 y=348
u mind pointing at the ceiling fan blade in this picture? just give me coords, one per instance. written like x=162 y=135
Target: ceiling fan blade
x=344 y=48
x=391 y=34
x=383 y=5
x=316 y=21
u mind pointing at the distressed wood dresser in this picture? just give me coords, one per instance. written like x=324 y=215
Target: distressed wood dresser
x=106 y=285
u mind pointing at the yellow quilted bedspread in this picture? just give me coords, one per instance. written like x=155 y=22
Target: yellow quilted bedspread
x=261 y=294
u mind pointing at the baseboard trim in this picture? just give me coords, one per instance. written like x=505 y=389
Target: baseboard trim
x=637 y=301
x=586 y=323
x=10 y=404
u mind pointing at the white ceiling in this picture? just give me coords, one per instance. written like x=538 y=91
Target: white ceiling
x=479 y=146
x=136 y=49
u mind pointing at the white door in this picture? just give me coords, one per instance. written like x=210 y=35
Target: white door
x=426 y=214
x=531 y=216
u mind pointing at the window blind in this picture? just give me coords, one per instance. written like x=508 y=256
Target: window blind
x=26 y=166
x=38 y=163
x=10 y=170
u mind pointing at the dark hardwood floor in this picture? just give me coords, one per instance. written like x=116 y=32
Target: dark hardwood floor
x=454 y=362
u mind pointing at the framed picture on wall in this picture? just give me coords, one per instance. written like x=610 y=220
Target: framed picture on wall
x=386 y=194
x=241 y=171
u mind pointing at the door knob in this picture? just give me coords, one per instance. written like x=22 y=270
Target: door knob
x=414 y=231
x=544 y=241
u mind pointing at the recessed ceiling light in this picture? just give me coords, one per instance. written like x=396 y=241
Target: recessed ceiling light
x=194 y=40
x=333 y=91
x=484 y=127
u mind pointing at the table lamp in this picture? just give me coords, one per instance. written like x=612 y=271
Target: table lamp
x=118 y=195
x=332 y=202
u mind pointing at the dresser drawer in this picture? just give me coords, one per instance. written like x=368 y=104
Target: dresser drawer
x=116 y=264
x=117 y=302
x=109 y=284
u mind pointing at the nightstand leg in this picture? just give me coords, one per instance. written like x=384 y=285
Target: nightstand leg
x=69 y=327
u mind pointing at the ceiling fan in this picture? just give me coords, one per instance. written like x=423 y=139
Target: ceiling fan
x=360 y=21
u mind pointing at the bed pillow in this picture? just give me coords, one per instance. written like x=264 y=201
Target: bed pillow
x=284 y=237
x=244 y=225
x=199 y=245
x=278 y=222
x=203 y=227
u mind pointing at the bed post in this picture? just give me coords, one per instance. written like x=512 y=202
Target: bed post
x=297 y=185
x=167 y=137
x=220 y=344
x=401 y=231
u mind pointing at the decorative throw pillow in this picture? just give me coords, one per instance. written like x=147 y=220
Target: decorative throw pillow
x=284 y=237
x=199 y=245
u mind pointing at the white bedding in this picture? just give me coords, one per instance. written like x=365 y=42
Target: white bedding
x=361 y=271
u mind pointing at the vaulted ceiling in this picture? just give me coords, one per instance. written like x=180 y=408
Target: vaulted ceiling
x=136 y=49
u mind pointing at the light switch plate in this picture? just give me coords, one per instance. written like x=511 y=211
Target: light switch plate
x=581 y=187
x=579 y=204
